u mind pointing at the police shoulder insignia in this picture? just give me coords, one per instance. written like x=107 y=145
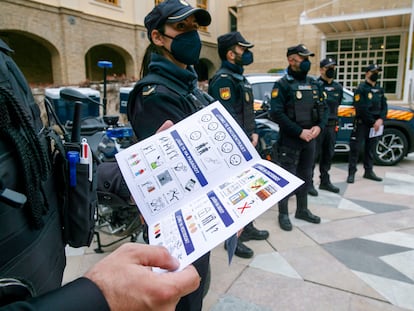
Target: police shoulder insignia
x=357 y=97
x=225 y=93
x=275 y=92
x=325 y=95
x=147 y=90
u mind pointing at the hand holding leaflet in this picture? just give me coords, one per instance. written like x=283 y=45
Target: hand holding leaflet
x=374 y=133
x=199 y=182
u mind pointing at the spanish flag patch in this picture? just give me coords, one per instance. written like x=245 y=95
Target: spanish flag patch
x=225 y=93
x=275 y=92
x=357 y=97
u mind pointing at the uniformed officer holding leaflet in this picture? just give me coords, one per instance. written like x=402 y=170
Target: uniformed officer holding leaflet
x=298 y=106
x=370 y=112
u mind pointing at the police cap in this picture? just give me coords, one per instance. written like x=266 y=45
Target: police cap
x=326 y=62
x=172 y=11
x=373 y=67
x=226 y=41
x=299 y=49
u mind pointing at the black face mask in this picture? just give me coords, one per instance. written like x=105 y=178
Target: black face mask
x=330 y=73
x=186 y=47
x=305 y=66
x=374 y=77
x=245 y=59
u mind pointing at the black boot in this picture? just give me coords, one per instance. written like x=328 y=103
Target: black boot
x=327 y=185
x=284 y=221
x=242 y=250
x=312 y=191
x=351 y=178
x=252 y=233
x=302 y=211
x=371 y=175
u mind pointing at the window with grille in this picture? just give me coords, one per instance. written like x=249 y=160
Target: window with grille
x=354 y=54
x=112 y=2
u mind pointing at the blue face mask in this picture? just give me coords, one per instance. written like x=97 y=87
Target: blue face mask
x=245 y=59
x=305 y=66
x=186 y=47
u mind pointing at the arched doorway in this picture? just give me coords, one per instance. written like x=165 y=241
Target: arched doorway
x=34 y=56
x=114 y=54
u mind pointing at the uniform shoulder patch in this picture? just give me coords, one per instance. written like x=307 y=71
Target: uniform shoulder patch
x=225 y=93
x=357 y=97
x=275 y=93
x=148 y=89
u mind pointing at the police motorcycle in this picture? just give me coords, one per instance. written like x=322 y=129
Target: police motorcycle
x=267 y=130
x=117 y=214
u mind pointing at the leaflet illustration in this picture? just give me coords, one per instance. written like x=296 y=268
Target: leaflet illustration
x=200 y=181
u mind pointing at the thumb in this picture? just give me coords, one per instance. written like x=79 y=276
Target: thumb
x=167 y=124
x=187 y=280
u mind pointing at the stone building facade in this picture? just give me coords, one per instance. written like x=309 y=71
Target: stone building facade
x=58 y=42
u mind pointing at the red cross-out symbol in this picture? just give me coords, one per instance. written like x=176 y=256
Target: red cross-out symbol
x=246 y=205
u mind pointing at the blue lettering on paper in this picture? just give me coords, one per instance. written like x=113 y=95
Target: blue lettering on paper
x=185 y=237
x=246 y=154
x=280 y=181
x=225 y=217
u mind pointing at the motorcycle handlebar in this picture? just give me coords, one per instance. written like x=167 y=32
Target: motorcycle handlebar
x=73 y=95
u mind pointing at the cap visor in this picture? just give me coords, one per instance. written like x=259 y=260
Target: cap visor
x=330 y=64
x=246 y=44
x=202 y=16
x=306 y=53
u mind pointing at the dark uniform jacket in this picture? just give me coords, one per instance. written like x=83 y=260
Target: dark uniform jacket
x=232 y=89
x=166 y=93
x=35 y=256
x=333 y=97
x=370 y=103
x=297 y=105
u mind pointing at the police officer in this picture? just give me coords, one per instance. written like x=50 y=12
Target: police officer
x=168 y=89
x=234 y=92
x=325 y=143
x=370 y=111
x=32 y=248
x=298 y=106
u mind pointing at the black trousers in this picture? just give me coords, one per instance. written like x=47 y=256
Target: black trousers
x=298 y=157
x=325 y=150
x=359 y=136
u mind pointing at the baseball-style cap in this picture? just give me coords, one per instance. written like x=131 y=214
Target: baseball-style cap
x=226 y=41
x=299 y=49
x=172 y=11
x=326 y=62
x=373 y=67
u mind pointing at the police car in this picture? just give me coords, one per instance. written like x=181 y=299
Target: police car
x=396 y=142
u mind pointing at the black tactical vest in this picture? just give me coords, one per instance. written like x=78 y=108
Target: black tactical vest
x=375 y=98
x=302 y=106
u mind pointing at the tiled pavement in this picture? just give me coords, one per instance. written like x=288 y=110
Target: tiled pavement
x=361 y=257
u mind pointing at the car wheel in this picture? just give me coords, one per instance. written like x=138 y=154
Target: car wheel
x=390 y=148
